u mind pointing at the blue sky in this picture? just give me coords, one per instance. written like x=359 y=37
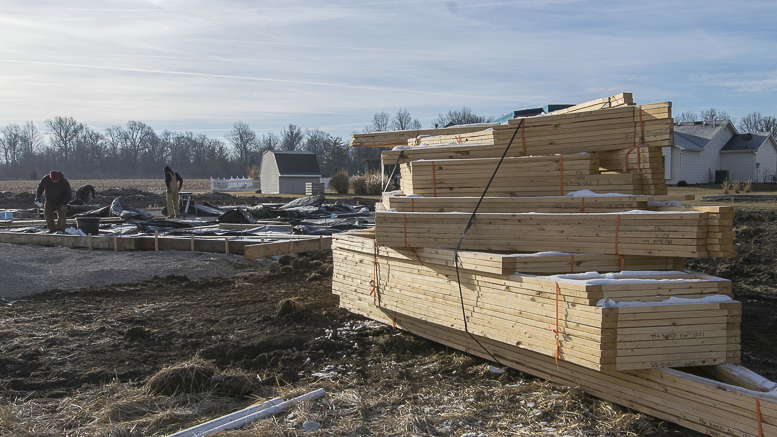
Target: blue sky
x=203 y=65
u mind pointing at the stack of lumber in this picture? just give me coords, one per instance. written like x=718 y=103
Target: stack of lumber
x=736 y=402
x=623 y=141
x=672 y=234
x=569 y=266
x=526 y=310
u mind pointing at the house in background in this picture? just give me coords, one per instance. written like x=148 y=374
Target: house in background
x=711 y=152
x=284 y=172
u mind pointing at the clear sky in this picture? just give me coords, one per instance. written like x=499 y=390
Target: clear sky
x=203 y=65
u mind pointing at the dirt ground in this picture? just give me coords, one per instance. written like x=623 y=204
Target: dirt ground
x=155 y=356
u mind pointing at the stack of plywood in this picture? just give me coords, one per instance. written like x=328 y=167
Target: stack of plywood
x=581 y=286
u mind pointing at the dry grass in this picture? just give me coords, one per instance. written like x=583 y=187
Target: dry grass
x=150 y=185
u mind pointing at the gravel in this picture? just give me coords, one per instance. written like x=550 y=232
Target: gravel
x=31 y=269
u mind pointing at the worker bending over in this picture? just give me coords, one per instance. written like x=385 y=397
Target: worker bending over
x=173 y=182
x=57 y=190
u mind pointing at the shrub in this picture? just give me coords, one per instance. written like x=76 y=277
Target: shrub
x=339 y=181
x=726 y=186
x=682 y=183
x=748 y=186
x=253 y=171
x=359 y=184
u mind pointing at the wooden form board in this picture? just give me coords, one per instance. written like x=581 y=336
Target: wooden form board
x=621 y=99
x=704 y=405
x=235 y=245
x=400 y=138
x=288 y=247
x=518 y=309
x=670 y=234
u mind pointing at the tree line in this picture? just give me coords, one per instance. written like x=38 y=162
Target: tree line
x=136 y=150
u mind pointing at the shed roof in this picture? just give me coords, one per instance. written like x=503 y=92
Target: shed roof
x=744 y=142
x=296 y=163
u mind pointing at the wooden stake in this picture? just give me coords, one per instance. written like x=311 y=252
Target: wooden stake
x=90 y=240
x=192 y=242
x=156 y=241
x=226 y=245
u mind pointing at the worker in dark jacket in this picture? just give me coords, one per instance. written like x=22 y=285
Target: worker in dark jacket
x=57 y=190
x=173 y=182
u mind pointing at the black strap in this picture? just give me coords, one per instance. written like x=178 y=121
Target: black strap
x=469 y=225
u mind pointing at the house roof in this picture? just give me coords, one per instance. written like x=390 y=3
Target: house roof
x=695 y=135
x=296 y=163
x=745 y=142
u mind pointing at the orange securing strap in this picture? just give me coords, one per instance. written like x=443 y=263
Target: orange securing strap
x=571 y=263
x=555 y=330
x=561 y=172
x=582 y=204
x=412 y=204
x=434 y=179
x=394 y=319
x=416 y=256
x=617 y=230
x=404 y=227
x=758 y=416
x=458 y=139
x=523 y=137
x=639 y=142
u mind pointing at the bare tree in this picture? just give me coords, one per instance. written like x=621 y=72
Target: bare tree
x=452 y=118
x=403 y=121
x=136 y=140
x=11 y=143
x=292 y=138
x=243 y=141
x=64 y=132
x=31 y=141
x=269 y=141
x=380 y=123
x=755 y=122
x=687 y=116
x=713 y=114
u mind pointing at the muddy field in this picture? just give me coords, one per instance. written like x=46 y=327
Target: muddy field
x=156 y=356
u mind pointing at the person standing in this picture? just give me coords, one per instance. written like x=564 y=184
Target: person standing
x=173 y=182
x=57 y=190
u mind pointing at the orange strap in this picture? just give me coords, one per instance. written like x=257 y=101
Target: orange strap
x=582 y=204
x=374 y=281
x=394 y=319
x=555 y=330
x=523 y=137
x=458 y=139
x=571 y=263
x=561 y=172
x=434 y=179
x=758 y=416
x=404 y=227
x=412 y=204
x=416 y=256
x=617 y=230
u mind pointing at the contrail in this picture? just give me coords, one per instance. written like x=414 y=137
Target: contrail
x=257 y=79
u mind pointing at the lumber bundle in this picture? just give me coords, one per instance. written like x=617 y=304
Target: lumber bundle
x=672 y=234
x=528 y=311
x=745 y=406
x=568 y=266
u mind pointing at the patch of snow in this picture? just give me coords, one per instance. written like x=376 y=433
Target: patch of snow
x=717 y=298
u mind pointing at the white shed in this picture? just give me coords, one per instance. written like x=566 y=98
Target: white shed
x=287 y=172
